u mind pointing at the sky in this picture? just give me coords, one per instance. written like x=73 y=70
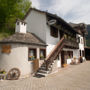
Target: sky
x=76 y=11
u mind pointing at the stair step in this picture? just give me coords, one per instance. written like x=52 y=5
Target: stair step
x=44 y=68
x=43 y=71
x=40 y=74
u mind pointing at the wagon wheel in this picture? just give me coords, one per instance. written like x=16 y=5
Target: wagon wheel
x=13 y=74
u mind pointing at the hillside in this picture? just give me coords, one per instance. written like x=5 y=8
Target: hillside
x=88 y=36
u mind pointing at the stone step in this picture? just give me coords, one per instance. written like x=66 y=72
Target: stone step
x=38 y=74
x=43 y=71
x=44 y=68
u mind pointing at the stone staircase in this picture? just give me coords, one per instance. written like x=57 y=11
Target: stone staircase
x=46 y=67
x=42 y=72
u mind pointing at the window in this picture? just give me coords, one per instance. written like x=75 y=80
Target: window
x=32 y=54
x=42 y=54
x=54 y=32
x=70 y=54
x=78 y=39
x=81 y=40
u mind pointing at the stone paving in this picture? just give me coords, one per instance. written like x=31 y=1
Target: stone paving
x=75 y=77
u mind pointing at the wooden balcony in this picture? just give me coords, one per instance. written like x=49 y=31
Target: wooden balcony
x=71 y=44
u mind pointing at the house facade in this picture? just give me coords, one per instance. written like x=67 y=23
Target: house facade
x=51 y=28
x=42 y=42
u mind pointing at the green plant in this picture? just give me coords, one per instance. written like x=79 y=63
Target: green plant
x=41 y=56
x=2 y=72
x=32 y=58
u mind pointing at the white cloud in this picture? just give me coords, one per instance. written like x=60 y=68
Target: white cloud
x=71 y=10
x=35 y=3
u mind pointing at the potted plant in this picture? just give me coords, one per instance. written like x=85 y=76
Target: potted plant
x=41 y=57
x=32 y=58
x=2 y=72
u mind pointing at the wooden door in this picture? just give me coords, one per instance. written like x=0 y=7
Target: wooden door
x=62 y=58
x=35 y=65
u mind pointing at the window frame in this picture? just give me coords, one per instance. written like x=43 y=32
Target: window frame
x=70 y=54
x=54 y=32
x=44 y=53
x=35 y=53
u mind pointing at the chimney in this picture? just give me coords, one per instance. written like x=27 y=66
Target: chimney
x=20 y=26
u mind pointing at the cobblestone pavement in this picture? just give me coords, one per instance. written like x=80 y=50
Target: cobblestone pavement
x=75 y=77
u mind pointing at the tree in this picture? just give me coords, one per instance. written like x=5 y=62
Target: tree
x=10 y=10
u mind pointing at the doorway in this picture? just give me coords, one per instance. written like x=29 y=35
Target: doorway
x=62 y=58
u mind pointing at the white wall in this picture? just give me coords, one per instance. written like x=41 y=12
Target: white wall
x=21 y=28
x=50 y=40
x=81 y=44
x=17 y=58
x=36 y=23
x=17 y=28
x=49 y=48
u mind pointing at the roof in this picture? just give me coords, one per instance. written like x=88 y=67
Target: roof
x=87 y=47
x=23 y=38
x=53 y=15
x=80 y=28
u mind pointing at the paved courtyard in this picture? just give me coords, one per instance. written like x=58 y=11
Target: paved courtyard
x=75 y=77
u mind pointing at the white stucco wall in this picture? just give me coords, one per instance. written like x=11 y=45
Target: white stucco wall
x=50 y=40
x=81 y=44
x=49 y=48
x=21 y=28
x=36 y=22
x=18 y=58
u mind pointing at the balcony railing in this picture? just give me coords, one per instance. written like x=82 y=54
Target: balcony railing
x=71 y=43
